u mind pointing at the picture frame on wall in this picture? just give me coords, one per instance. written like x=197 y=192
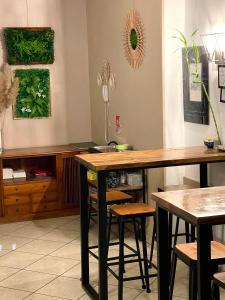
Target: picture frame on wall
x=33 y=99
x=196 y=108
x=221 y=76
x=222 y=95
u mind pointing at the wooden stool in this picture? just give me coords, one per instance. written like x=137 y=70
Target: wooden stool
x=132 y=211
x=219 y=280
x=188 y=254
x=112 y=197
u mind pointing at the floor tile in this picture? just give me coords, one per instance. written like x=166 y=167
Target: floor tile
x=6 y=241
x=6 y=272
x=36 y=296
x=68 y=251
x=18 y=259
x=52 y=265
x=32 y=231
x=11 y=227
x=153 y=296
x=75 y=272
x=27 y=281
x=52 y=222
x=41 y=247
x=10 y=294
x=60 y=235
x=63 y=287
x=72 y=225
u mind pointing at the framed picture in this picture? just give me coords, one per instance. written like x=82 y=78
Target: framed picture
x=33 y=100
x=221 y=76
x=222 y=95
x=29 y=45
x=196 y=109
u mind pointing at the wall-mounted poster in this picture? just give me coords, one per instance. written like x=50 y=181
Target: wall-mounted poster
x=196 y=108
x=29 y=45
x=33 y=100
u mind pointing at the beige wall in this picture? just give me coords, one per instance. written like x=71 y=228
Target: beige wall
x=138 y=95
x=70 y=106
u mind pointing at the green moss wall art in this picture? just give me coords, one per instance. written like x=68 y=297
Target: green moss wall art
x=33 y=100
x=27 y=46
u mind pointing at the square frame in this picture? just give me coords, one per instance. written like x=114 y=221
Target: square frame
x=33 y=100
x=221 y=76
x=196 y=110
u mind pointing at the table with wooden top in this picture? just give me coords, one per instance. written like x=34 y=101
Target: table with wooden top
x=105 y=162
x=201 y=207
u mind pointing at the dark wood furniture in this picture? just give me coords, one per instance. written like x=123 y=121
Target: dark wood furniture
x=103 y=162
x=28 y=198
x=200 y=207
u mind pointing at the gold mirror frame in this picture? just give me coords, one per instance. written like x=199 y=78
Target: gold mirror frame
x=133 y=54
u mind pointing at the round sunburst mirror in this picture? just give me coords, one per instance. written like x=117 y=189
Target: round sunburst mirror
x=133 y=39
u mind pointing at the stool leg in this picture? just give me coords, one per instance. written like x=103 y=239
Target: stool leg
x=138 y=253
x=121 y=258
x=176 y=232
x=145 y=256
x=215 y=288
x=193 y=282
x=89 y=213
x=152 y=243
x=172 y=275
x=170 y=229
x=109 y=231
x=187 y=233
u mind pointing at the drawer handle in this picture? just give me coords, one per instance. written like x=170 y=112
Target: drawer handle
x=45 y=206
x=17 y=210
x=17 y=200
x=16 y=189
x=44 y=197
x=44 y=186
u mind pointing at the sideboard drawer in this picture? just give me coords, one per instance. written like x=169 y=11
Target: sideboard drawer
x=39 y=187
x=41 y=207
x=16 y=199
x=17 y=189
x=17 y=210
x=44 y=197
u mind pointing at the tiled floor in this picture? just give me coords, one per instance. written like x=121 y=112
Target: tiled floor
x=46 y=264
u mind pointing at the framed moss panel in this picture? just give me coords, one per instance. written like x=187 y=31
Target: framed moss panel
x=33 y=100
x=29 y=45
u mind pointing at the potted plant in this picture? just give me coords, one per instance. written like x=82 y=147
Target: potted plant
x=191 y=46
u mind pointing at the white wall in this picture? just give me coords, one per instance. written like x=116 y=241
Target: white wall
x=189 y=15
x=70 y=106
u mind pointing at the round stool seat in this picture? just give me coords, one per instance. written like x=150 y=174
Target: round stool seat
x=133 y=209
x=113 y=197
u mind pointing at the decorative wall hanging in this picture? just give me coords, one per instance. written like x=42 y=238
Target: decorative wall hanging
x=33 y=100
x=106 y=79
x=29 y=45
x=196 y=108
x=133 y=39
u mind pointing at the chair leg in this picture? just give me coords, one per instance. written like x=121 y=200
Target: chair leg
x=121 y=258
x=152 y=243
x=176 y=232
x=193 y=282
x=145 y=256
x=138 y=253
x=172 y=275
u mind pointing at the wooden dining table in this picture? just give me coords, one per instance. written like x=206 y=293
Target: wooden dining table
x=102 y=163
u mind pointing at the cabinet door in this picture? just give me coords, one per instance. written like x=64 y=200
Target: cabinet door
x=68 y=177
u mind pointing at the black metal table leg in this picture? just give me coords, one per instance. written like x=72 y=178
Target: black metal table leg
x=84 y=214
x=163 y=253
x=203 y=175
x=204 y=255
x=102 y=236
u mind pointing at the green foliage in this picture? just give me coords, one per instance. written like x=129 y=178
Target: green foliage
x=33 y=100
x=29 y=46
x=133 y=39
x=195 y=74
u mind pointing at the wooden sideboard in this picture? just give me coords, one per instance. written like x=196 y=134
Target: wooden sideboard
x=55 y=195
